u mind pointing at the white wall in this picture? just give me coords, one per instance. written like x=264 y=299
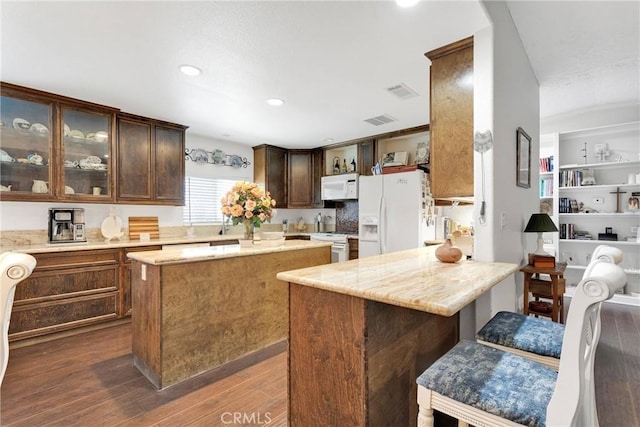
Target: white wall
x=506 y=97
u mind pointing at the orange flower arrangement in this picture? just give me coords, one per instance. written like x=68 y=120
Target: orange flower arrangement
x=248 y=204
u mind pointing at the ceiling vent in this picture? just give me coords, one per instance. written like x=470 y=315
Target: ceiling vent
x=380 y=120
x=402 y=91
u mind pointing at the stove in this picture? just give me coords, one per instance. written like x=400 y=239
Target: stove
x=330 y=237
x=339 y=247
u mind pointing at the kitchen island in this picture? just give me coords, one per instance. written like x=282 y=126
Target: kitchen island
x=196 y=309
x=362 y=331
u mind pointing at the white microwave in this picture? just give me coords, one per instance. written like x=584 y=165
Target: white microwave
x=340 y=187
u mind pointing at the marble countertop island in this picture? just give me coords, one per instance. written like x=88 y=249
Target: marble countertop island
x=362 y=331
x=412 y=279
x=186 y=255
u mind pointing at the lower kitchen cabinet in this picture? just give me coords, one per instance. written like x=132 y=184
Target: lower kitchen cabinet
x=353 y=248
x=67 y=290
x=124 y=306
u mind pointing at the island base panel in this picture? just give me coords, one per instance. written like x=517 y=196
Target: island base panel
x=192 y=317
x=354 y=362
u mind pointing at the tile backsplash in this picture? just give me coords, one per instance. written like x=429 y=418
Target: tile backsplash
x=347 y=217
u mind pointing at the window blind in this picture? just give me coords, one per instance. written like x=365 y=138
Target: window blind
x=202 y=199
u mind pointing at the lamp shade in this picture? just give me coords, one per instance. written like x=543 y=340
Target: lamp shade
x=540 y=223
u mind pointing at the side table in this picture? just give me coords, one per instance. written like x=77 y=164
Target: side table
x=548 y=289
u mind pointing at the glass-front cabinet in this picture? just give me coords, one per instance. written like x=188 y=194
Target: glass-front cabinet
x=54 y=148
x=26 y=133
x=86 y=153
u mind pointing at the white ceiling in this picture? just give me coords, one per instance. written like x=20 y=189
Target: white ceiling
x=331 y=61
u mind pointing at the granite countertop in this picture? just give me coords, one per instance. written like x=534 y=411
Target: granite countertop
x=122 y=243
x=186 y=255
x=413 y=279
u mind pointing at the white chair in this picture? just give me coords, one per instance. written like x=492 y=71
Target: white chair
x=14 y=267
x=484 y=386
x=537 y=339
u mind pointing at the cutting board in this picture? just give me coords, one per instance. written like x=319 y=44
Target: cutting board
x=143 y=224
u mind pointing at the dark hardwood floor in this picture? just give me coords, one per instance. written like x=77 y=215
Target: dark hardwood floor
x=89 y=379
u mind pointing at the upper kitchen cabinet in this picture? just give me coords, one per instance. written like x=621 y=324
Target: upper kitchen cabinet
x=304 y=174
x=270 y=171
x=86 y=156
x=451 y=126
x=150 y=161
x=366 y=156
x=54 y=148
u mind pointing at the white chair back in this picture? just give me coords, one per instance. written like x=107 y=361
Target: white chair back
x=14 y=267
x=573 y=401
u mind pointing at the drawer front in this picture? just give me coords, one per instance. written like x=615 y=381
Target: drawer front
x=44 y=286
x=55 y=260
x=44 y=318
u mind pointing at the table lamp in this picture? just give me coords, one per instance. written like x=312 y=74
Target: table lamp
x=540 y=223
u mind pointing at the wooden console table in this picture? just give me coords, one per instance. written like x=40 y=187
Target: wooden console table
x=552 y=289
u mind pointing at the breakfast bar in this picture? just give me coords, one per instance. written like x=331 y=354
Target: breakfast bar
x=197 y=309
x=362 y=331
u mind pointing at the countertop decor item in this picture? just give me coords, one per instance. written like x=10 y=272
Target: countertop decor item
x=143 y=225
x=248 y=204
x=215 y=157
x=447 y=252
x=112 y=227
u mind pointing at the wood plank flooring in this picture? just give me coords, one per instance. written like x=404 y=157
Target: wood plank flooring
x=89 y=379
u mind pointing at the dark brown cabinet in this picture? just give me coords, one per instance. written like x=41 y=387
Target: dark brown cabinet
x=62 y=149
x=150 y=161
x=55 y=148
x=270 y=171
x=305 y=172
x=67 y=290
x=317 y=157
x=366 y=156
x=354 y=245
x=451 y=126
x=300 y=188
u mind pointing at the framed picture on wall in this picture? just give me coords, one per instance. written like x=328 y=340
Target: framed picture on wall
x=523 y=159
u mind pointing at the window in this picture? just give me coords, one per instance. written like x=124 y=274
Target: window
x=202 y=199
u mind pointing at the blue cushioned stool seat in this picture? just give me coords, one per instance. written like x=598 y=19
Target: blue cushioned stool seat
x=494 y=381
x=524 y=333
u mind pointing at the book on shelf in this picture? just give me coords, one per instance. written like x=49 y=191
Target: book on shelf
x=546 y=164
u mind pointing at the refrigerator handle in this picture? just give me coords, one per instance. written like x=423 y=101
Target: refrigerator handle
x=382 y=226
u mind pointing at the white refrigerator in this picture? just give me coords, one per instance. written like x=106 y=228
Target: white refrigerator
x=392 y=214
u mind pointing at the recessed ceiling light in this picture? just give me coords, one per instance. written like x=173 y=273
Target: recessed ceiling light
x=190 y=70
x=407 y=3
x=276 y=102
x=328 y=140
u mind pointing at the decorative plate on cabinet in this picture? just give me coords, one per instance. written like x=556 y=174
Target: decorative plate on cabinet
x=21 y=125
x=101 y=136
x=39 y=129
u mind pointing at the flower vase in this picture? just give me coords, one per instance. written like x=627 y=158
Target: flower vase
x=248 y=230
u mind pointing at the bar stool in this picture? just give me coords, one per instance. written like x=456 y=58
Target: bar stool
x=14 y=268
x=537 y=339
x=481 y=385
